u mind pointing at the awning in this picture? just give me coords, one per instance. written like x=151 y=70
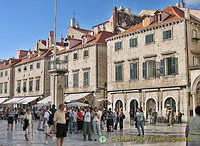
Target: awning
x=75 y=97
x=77 y=104
x=45 y=100
x=13 y=101
x=27 y=100
x=2 y=100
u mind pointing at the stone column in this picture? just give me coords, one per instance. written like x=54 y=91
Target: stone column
x=57 y=80
x=194 y=102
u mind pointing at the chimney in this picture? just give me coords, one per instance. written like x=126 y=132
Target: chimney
x=178 y=4
x=128 y=11
x=182 y=4
x=73 y=22
x=51 y=36
x=61 y=39
x=114 y=18
x=77 y=25
x=187 y=13
x=121 y=8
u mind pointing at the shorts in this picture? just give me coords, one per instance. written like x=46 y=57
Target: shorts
x=61 y=130
x=10 y=120
x=131 y=118
x=48 y=128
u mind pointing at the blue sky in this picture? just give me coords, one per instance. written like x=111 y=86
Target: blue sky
x=23 y=22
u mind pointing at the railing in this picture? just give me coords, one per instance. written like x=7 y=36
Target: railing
x=61 y=65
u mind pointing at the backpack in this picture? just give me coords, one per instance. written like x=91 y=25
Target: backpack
x=51 y=116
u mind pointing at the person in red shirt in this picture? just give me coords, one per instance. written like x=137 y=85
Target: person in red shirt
x=79 y=121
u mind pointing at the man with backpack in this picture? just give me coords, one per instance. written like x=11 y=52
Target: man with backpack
x=48 y=124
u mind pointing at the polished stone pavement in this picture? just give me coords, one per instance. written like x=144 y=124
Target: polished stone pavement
x=152 y=133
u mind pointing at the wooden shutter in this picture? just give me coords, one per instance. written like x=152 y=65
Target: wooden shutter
x=154 y=68
x=162 y=67
x=144 y=67
x=174 y=65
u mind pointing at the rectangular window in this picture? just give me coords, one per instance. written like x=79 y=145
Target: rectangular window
x=38 y=65
x=169 y=66
x=167 y=34
x=31 y=85
x=133 y=71
x=133 y=42
x=6 y=73
x=149 y=69
x=1 y=74
x=75 y=56
x=5 y=87
x=25 y=68
x=85 y=76
x=66 y=81
x=24 y=86
x=86 y=54
x=118 y=46
x=1 y=88
x=57 y=60
x=19 y=87
x=75 y=80
x=118 y=72
x=19 y=69
x=37 y=85
x=149 y=38
x=66 y=58
x=31 y=66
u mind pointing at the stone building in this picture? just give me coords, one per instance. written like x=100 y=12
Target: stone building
x=6 y=78
x=120 y=21
x=81 y=71
x=148 y=64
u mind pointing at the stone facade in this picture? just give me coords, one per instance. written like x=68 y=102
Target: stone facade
x=157 y=91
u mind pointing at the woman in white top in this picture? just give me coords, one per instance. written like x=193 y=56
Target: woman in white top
x=30 y=123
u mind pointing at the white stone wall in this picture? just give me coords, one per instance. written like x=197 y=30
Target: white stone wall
x=6 y=79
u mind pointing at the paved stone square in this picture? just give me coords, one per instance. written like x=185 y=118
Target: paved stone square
x=152 y=133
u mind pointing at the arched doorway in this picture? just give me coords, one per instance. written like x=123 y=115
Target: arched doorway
x=198 y=94
x=170 y=103
x=150 y=104
x=118 y=104
x=133 y=105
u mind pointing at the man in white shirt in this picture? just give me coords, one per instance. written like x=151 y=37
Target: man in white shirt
x=87 y=125
x=48 y=127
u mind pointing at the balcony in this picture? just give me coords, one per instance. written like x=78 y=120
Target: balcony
x=58 y=66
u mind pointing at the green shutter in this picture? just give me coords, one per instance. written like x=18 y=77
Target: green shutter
x=162 y=67
x=144 y=67
x=174 y=65
x=164 y=35
x=131 y=71
x=169 y=34
x=154 y=68
x=135 y=70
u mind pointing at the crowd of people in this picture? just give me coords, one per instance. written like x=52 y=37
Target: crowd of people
x=82 y=120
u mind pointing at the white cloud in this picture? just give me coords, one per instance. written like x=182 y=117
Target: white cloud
x=193 y=2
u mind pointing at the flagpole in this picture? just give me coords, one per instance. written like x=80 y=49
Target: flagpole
x=54 y=52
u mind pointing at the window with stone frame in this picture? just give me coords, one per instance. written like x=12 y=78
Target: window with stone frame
x=118 y=73
x=118 y=46
x=66 y=81
x=37 y=85
x=6 y=73
x=1 y=74
x=149 y=38
x=133 y=42
x=169 y=66
x=167 y=34
x=75 y=80
x=133 y=71
x=38 y=65
x=5 y=87
x=75 y=56
x=18 y=86
x=149 y=69
x=66 y=58
x=24 y=86
x=85 y=53
x=85 y=79
x=31 y=85
x=31 y=66
x=1 y=88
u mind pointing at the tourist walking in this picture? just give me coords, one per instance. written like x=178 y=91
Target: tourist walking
x=179 y=116
x=11 y=115
x=150 y=116
x=103 y=119
x=140 y=121
x=41 y=118
x=79 y=121
x=110 y=117
x=131 y=113
x=67 y=119
x=193 y=129
x=72 y=122
x=28 y=118
x=154 y=115
x=60 y=125
x=96 y=123
x=116 y=118
x=121 y=118
x=171 y=118
x=22 y=115
x=48 y=125
x=87 y=125
x=16 y=115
